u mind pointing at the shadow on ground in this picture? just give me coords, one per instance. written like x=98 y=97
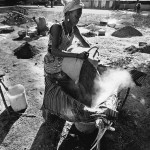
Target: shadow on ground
x=42 y=140
x=6 y=122
x=48 y=135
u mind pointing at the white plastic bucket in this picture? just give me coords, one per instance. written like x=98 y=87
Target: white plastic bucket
x=17 y=97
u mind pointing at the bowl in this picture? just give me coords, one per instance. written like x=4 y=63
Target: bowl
x=22 y=33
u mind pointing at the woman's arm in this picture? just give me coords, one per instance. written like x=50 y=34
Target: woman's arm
x=80 y=37
x=56 y=31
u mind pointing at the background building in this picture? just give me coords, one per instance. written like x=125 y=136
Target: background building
x=2 y=2
x=115 y=4
x=95 y=4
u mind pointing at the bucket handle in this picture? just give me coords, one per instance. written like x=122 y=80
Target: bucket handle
x=96 y=51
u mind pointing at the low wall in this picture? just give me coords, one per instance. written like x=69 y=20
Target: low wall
x=98 y=4
x=110 y=4
x=132 y=6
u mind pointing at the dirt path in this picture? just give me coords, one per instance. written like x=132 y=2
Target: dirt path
x=30 y=133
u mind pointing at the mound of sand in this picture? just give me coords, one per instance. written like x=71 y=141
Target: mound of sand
x=26 y=51
x=145 y=49
x=89 y=34
x=127 y=31
x=6 y=29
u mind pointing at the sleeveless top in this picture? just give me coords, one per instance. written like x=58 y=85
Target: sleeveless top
x=53 y=64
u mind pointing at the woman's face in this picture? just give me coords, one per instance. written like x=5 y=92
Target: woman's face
x=74 y=16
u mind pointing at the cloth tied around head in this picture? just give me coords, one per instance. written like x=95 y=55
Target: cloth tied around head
x=70 y=5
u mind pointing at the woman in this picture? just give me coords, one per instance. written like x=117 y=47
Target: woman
x=56 y=102
x=60 y=38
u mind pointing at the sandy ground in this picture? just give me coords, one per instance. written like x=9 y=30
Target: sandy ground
x=30 y=132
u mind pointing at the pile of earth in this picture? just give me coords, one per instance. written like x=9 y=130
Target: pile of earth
x=26 y=51
x=89 y=34
x=143 y=49
x=93 y=27
x=6 y=29
x=127 y=31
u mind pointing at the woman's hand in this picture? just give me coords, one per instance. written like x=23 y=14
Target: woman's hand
x=83 y=55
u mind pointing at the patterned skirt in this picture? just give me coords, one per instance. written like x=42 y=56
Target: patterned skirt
x=57 y=102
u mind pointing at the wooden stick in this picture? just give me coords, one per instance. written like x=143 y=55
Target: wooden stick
x=4 y=101
x=6 y=88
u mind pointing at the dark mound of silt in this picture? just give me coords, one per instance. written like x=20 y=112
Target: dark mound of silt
x=127 y=31
x=26 y=51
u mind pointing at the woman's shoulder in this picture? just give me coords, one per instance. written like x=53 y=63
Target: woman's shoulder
x=56 y=24
x=55 y=28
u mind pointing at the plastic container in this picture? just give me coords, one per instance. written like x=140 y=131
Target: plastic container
x=101 y=32
x=17 y=97
x=22 y=33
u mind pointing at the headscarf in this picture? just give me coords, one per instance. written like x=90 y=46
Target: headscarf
x=70 y=5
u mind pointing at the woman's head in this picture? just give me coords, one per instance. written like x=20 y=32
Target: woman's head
x=72 y=10
x=74 y=16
